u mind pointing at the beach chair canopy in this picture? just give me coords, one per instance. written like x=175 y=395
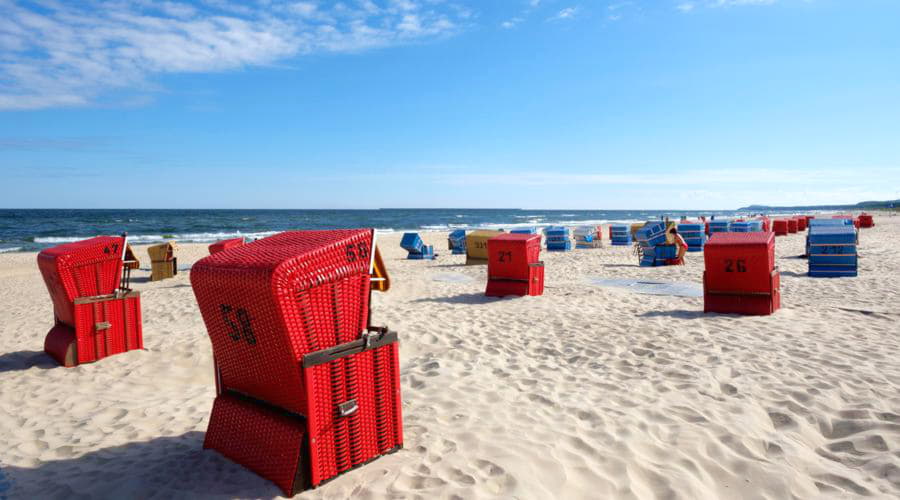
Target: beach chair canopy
x=84 y=268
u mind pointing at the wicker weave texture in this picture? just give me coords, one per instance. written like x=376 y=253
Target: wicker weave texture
x=223 y=245
x=60 y=344
x=757 y=304
x=509 y=255
x=338 y=443
x=740 y=262
x=264 y=440
x=532 y=285
x=268 y=303
x=81 y=269
x=108 y=327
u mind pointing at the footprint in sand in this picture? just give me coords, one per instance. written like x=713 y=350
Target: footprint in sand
x=781 y=420
x=410 y=483
x=461 y=478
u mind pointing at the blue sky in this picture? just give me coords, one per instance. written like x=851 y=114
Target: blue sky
x=693 y=104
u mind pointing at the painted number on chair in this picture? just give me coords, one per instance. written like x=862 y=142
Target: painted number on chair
x=115 y=249
x=238 y=323
x=739 y=265
x=506 y=256
x=360 y=251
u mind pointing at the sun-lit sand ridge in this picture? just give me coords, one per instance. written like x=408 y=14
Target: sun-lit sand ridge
x=584 y=392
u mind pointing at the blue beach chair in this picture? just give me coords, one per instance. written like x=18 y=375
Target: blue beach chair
x=832 y=251
x=417 y=249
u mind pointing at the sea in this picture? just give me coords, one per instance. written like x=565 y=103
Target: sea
x=23 y=230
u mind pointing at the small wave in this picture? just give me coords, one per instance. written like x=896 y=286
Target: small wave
x=156 y=238
x=58 y=239
x=11 y=249
x=587 y=222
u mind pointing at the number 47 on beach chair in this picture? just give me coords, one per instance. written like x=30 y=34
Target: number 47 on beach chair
x=306 y=387
x=96 y=314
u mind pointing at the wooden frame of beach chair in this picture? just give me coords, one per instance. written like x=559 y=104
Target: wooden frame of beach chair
x=131 y=260
x=306 y=388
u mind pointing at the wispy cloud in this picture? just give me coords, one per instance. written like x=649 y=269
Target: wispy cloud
x=778 y=177
x=698 y=188
x=688 y=6
x=68 y=53
x=531 y=5
x=726 y=3
x=615 y=10
x=51 y=172
x=511 y=23
x=567 y=13
x=67 y=144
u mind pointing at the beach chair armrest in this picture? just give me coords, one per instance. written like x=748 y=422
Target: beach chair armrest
x=373 y=338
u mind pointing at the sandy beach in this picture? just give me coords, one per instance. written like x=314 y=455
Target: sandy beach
x=584 y=392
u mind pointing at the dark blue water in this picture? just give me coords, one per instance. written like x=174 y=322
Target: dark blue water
x=24 y=230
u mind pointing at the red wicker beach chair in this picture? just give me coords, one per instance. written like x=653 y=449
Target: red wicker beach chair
x=223 y=245
x=513 y=265
x=866 y=220
x=95 y=318
x=740 y=275
x=780 y=227
x=306 y=388
x=793 y=225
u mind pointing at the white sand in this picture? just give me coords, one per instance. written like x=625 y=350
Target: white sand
x=584 y=392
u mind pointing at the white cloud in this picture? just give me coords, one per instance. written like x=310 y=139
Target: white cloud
x=775 y=177
x=511 y=23
x=619 y=6
x=68 y=53
x=688 y=6
x=726 y=3
x=567 y=13
x=699 y=188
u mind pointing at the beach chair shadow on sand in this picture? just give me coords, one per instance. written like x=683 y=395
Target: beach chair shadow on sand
x=464 y=298
x=173 y=460
x=23 y=360
x=675 y=313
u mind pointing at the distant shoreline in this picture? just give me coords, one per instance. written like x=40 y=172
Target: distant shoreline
x=863 y=205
